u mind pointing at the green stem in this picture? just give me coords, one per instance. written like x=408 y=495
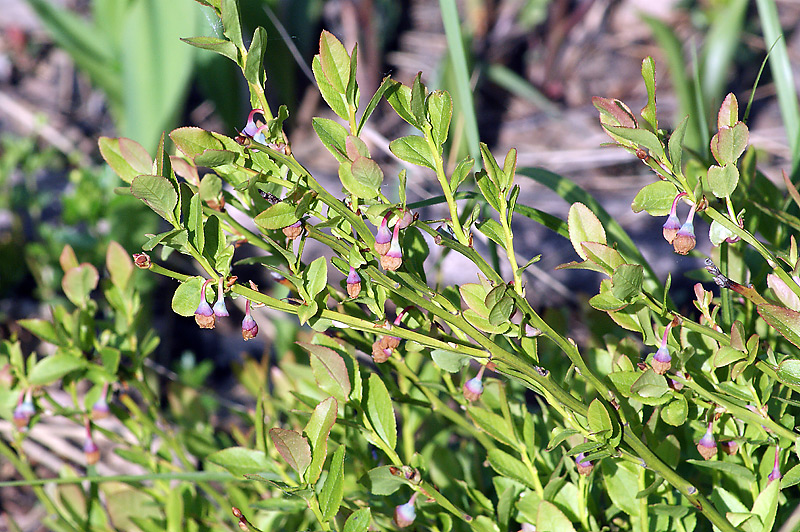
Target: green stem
x=448 y=193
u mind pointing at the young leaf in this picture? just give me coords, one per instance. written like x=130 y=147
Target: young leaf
x=221 y=46
x=460 y=173
x=254 y=65
x=293 y=448
x=649 y=111
x=51 y=368
x=783 y=320
x=119 y=265
x=241 y=460
x=729 y=143
x=332 y=97
x=449 y=361
x=231 y=24
x=373 y=103
x=675 y=145
x=358 y=521
x=440 y=111
x=335 y=61
x=380 y=411
x=584 y=227
x=316 y=276
x=655 y=198
x=599 y=419
x=126 y=157
x=363 y=183
x=399 y=97
x=728 y=114
x=78 y=283
x=329 y=370
x=332 y=135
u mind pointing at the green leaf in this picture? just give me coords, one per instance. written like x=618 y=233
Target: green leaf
x=418 y=96
x=119 y=265
x=730 y=468
x=488 y=189
x=449 y=361
x=51 y=368
x=330 y=370
x=723 y=180
x=783 y=320
x=231 y=24
x=254 y=64
x=44 y=330
x=649 y=76
x=351 y=89
x=627 y=281
x=241 y=460
x=293 y=448
x=381 y=482
x=368 y=175
x=606 y=301
x=316 y=276
x=440 y=111
x=766 y=505
x=192 y=141
x=501 y=312
x=676 y=412
x=482 y=323
x=599 y=419
x=493 y=230
x=317 y=430
x=620 y=481
x=549 y=517
x=675 y=145
x=729 y=143
x=638 y=136
x=650 y=384
x=726 y=355
x=332 y=135
x=335 y=61
x=399 y=97
x=460 y=173
x=358 y=521
x=474 y=296
x=78 y=283
x=728 y=114
x=788 y=372
x=330 y=497
x=380 y=411
x=584 y=227
x=412 y=149
x=492 y=424
x=353 y=185
x=126 y=157
x=187 y=297
x=157 y=193
x=221 y=46
x=215 y=158
x=373 y=103
x=332 y=97
x=276 y=216
x=656 y=198
x=510 y=467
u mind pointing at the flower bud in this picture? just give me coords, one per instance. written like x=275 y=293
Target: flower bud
x=584 y=466
x=405 y=514
x=684 y=240
x=384 y=237
x=249 y=325
x=293 y=231
x=661 y=361
x=220 y=310
x=353 y=283
x=100 y=408
x=776 y=469
x=730 y=447
x=90 y=450
x=394 y=257
x=671 y=226
x=142 y=260
x=707 y=446
x=204 y=315
x=24 y=411
x=473 y=388
x=406 y=218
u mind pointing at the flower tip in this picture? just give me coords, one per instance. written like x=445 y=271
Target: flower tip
x=100 y=410
x=405 y=514
x=584 y=466
x=473 y=389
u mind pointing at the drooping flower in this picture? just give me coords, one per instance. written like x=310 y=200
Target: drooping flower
x=251 y=127
x=353 y=283
x=293 y=231
x=220 y=310
x=684 y=240
x=24 y=411
x=730 y=447
x=776 y=469
x=204 y=315
x=671 y=226
x=249 y=325
x=384 y=236
x=707 y=446
x=394 y=257
x=584 y=466
x=90 y=450
x=473 y=388
x=662 y=361
x=406 y=218
x=405 y=514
